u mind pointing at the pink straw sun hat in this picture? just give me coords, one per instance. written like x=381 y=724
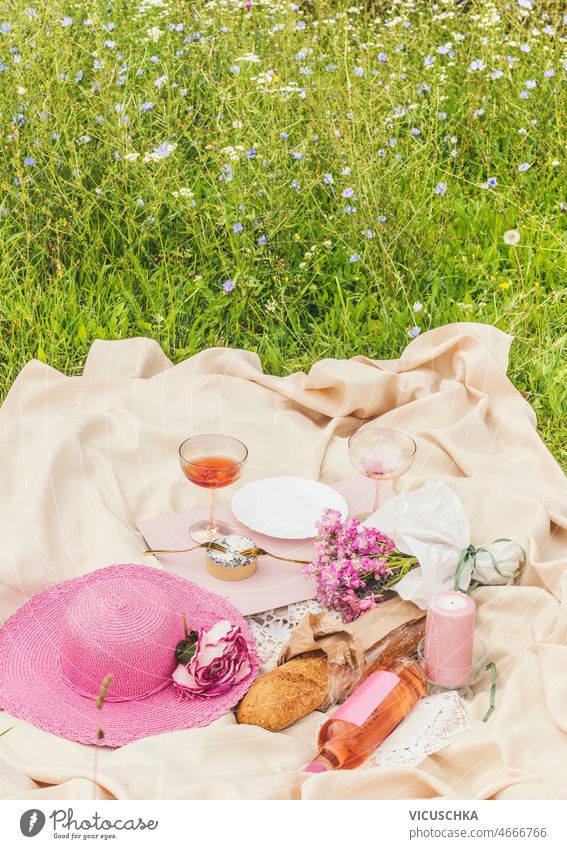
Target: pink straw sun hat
x=123 y=620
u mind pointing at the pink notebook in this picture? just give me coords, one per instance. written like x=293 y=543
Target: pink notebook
x=275 y=583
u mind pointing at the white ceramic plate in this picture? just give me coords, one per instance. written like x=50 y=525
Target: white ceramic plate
x=285 y=507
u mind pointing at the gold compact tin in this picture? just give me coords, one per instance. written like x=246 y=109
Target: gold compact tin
x=231 y=565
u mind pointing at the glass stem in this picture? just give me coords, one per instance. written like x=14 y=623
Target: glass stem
x=377 y=484
x=212 y=518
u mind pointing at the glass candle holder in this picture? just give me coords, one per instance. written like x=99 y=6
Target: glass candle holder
x=464 y=689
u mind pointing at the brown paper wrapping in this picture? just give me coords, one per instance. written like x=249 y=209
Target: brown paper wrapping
x=344 y=644
x=324 y=633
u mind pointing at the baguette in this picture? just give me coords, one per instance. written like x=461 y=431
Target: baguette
x=301 y=685
x=286 y=694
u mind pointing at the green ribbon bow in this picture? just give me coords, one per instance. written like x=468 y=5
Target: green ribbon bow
x=468 y=558
x=492 y=667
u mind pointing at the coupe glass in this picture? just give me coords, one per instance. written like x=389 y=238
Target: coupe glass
x=381 y=454
x=211 y=461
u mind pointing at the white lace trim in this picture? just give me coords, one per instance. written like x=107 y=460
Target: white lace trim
x=430 y=727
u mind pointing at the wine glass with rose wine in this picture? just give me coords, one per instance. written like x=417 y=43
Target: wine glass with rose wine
x=211 y=461
x=381 y=454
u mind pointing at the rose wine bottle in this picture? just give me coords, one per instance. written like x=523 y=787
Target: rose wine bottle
x=369 y=714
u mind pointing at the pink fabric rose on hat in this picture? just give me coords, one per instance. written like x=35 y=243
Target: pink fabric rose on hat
x=221 y=660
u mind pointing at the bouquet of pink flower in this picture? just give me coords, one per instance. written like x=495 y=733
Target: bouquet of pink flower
x=354 y=566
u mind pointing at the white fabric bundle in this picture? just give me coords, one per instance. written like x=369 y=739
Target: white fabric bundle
x=431 y=524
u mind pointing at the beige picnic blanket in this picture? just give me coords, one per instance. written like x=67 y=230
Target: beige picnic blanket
x=83 y=458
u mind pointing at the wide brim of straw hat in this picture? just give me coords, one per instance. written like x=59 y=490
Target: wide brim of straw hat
x=33 y=688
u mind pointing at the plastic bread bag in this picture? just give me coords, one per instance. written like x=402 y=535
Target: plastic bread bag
x=353 y=651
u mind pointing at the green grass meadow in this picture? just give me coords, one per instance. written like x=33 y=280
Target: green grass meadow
x=305 y=180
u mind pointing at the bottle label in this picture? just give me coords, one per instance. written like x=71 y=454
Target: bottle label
x=366 y=698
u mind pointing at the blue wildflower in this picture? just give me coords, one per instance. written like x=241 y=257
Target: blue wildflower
x=146 y=106
x=228 y=285
x=164 y=150
x=414 y=332
x=237 y=228
x=29 y=162
x=440 y=188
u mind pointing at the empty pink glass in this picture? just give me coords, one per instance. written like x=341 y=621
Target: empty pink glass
x=381 y=454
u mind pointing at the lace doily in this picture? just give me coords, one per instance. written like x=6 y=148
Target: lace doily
x=431 y=726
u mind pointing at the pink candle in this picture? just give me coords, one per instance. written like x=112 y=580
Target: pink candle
x=449 y=638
